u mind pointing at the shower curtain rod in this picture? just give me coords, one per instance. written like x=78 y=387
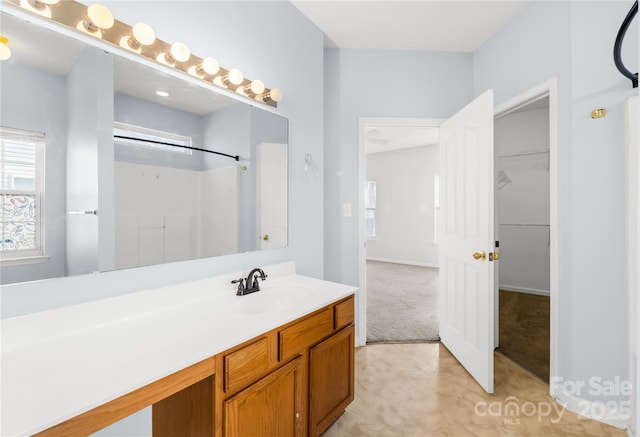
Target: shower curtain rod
x=236 y=157
x=617 y=47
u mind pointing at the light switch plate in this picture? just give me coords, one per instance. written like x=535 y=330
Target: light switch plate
x=346 y=210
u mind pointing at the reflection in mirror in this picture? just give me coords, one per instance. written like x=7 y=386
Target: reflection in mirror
x=153 y=203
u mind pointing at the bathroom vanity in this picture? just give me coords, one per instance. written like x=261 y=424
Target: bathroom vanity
x=276 y=362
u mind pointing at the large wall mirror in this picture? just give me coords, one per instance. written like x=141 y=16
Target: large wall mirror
x=88 y=184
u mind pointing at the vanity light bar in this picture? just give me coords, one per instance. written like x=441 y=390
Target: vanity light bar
x=140 y=39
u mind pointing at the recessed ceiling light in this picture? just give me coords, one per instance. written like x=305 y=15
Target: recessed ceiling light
x=162 y=93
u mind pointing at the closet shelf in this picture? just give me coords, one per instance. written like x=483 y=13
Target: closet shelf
x=524 y=225
x=511 y=155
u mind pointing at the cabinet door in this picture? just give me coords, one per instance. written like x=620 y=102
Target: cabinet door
x=330 y=380
x=273 y=406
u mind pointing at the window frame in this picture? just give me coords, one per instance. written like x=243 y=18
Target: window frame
x=370 y=208
x=27 y=256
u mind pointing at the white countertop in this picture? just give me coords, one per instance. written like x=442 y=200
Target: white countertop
x=60 y=363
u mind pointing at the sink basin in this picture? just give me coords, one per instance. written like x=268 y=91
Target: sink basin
x=271 y=300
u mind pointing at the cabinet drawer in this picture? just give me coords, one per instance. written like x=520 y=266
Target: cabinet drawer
x=246 y=365
x=343 y=314
x=305 y=333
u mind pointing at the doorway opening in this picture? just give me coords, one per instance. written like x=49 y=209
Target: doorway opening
x=522 y=218
x=399 y=254
x=526 y=285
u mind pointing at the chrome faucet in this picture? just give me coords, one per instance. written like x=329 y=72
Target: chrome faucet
x=252 y=284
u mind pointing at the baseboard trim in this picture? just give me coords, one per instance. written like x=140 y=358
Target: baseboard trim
x=524 y=290
x=586 y=408
x=409 y=263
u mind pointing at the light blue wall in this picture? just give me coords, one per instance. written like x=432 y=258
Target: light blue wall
x=228 y=130
x=36 y=101
x=90 y=164
x=574 y=41
x=271 y=41
x=376 y=83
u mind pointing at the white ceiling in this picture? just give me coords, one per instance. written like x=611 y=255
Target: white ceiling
x=442 y=26
x=425 y=25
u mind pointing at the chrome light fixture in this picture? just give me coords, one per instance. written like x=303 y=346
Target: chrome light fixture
x=40 y=7
x=98 y=21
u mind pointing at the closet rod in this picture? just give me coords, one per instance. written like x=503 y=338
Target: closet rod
x=524 y=225
x=509 y=155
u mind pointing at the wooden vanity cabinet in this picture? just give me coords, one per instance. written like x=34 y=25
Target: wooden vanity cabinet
x=293 y=381
x=273 y=406
x=331 y=373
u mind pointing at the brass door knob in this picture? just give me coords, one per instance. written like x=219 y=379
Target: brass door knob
x=496 y=256
x=480 y=255
x=265 y=237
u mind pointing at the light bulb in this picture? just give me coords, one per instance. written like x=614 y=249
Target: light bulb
x=275 y=95
x=141 y=35
x=98 y=18
x=208 y=66
x=5 y=51
x=41 y=7
x=180 y=52
x=257 y=87
x=235 y=76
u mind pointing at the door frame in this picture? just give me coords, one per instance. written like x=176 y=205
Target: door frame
x=363 y=124
x=548 y=88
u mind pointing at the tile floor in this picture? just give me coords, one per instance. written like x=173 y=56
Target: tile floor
x=420 y=390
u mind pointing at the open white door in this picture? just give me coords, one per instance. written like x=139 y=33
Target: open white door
x=272 y=195
x=466 y=195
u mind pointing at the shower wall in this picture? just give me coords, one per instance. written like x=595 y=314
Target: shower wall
x=522 y=163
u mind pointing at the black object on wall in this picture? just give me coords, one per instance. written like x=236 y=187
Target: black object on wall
x=617 y=47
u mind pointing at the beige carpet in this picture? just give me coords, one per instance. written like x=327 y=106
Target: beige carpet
x=402 y=303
